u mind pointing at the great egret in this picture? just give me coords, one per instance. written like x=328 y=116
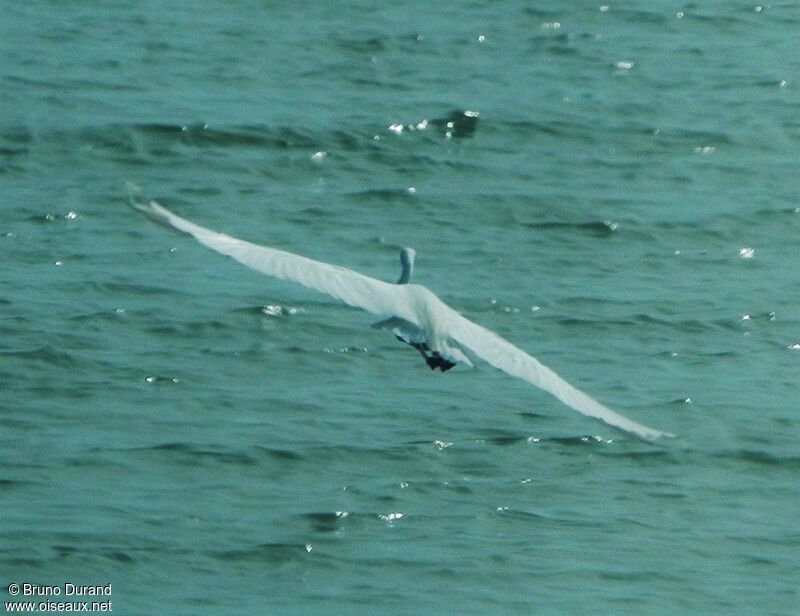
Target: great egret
x=416 y=315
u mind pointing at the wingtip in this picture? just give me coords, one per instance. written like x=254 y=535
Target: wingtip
x=151 y=209
x=135 y=199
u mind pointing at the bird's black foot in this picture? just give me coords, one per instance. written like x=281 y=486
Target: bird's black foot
x=446 y=365
x=437 y=361
x=433 y=358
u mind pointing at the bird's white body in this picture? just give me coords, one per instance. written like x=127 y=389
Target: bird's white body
x=414 y=314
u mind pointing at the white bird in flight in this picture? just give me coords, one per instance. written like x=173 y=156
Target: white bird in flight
x=415 y=315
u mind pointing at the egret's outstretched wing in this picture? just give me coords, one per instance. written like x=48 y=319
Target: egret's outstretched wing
x=503 y=355
x=386 y=299
x=346 y=285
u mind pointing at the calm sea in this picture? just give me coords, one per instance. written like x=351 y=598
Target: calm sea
x=612 y=187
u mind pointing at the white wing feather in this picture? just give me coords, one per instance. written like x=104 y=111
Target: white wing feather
x=343 y=284
x=506 y=357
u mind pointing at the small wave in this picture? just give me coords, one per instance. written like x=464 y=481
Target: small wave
x=530 y=516
x=201 y=134
x=384 y=195
x=46 y=354
x=504 y=441
x=326 y=521
x=763 y=458
x=266 y=552
x=139 y=143
x=280 y=454
x=605 y=228
x=125 y=289
x=370 y=45
x=687 y=325
x=114 y=554
x=644 y=16
x=191 y=453
x=595 y=324
x=576 y=130
x=574 y=441
x=455 y=125
x=15 y=145
x=458 y=124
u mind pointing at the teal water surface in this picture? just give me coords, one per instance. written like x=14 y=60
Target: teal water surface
x=613 y=188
